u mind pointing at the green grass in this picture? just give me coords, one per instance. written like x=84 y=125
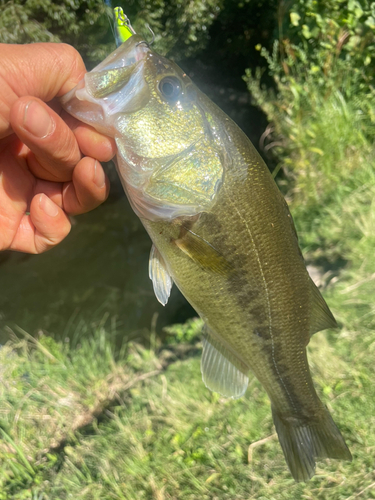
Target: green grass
x=85 y=422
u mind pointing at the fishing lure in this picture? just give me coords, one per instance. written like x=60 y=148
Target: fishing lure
x=123 y=28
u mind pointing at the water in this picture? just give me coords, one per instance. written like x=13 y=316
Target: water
x=100 y=270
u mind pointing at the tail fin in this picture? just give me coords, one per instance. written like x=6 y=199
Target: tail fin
x=302 y=442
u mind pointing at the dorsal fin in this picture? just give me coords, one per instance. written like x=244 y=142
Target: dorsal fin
x=222 y=371
x=321 y=316
x=161 y=279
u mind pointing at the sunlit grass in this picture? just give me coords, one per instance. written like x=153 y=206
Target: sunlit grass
x=85 y=423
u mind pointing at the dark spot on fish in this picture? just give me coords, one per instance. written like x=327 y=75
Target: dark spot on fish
x=263 y=332
x=244 y=292
x=186 y=224
x=279 y=368
x=214 y=225
x=258 y=312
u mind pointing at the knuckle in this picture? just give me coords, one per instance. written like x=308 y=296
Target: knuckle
x=66 y=56
x=66 y=61
x=66 y=149
x=47 y=241
x=70 y=56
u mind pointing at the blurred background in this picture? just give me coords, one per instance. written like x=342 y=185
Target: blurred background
x=101 y=271
x=76 y=416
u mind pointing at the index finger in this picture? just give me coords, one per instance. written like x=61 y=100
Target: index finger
x=43 y=70
x=27 y=66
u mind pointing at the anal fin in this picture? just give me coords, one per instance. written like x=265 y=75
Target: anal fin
x=161 y=279
x=222 y=371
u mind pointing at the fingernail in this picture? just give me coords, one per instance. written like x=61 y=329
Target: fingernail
x=99 y=176
x=37 y=120
x=48 y=206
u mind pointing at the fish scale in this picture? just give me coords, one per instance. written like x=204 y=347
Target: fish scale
x=235 y=317
x=222 y=232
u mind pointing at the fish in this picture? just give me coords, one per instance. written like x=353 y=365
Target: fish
x=222 y=232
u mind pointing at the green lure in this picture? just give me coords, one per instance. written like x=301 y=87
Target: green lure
x=123 y=28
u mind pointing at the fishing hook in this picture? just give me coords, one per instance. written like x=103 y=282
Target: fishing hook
x=153 y=37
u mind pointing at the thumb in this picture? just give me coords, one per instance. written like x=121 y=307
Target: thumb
x=43 y=70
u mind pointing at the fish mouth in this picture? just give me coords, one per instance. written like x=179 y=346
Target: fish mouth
x=116 y=85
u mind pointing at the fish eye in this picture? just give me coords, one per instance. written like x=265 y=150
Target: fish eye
x=170 y=87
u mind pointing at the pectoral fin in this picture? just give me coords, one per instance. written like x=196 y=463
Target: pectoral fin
x=222 y=371
x=161 y=279
x=203 y=253
x=321 y=316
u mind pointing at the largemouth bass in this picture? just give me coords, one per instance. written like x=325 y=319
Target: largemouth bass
x=222 y=232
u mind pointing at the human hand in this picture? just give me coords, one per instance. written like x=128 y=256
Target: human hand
x=43 y=176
